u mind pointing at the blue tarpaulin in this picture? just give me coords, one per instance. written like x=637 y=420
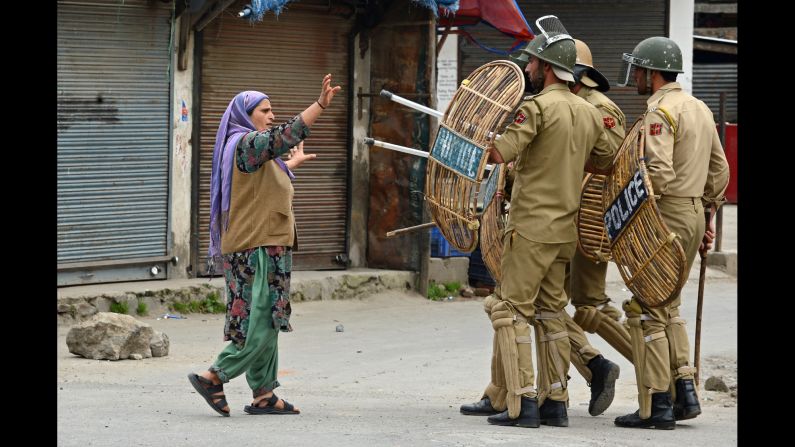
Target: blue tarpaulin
x=260 y=7
x=503 y=15
x=445 y=6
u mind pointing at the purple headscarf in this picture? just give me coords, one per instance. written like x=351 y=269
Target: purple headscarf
x=234 y=125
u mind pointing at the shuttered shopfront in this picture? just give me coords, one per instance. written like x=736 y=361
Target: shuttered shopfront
x=113 y=140
x=710 y=80
x=610 y=28
x=286 y=58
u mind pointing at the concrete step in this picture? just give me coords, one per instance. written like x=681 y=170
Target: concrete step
x=78 y=303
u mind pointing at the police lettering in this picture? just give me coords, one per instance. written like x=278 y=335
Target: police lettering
x=626 y=204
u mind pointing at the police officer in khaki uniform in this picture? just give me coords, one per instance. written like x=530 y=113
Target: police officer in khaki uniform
x=688 y=171
x=540 y=238
x=585 y=279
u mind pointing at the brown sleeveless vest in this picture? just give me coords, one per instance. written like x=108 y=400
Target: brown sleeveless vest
x=260 y=212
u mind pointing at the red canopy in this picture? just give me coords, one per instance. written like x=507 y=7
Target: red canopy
x=503 y=15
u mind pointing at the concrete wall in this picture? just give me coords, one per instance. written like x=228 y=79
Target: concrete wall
x=360 y=163
x=445 y=270
x=680 y=29
x=181 y=160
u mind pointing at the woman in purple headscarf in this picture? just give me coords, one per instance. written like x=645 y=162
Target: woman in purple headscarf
x=252 y=233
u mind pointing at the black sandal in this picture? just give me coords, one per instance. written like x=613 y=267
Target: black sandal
x=270 y=407
x=208 y=391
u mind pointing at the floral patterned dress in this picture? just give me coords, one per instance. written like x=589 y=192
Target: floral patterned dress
x=254 y=150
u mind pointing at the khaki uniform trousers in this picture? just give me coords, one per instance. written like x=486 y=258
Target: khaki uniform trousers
x=668 y=351
x=586 y=287
x=533 y=275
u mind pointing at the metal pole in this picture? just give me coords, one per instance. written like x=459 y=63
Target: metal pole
x=719 y=218
x=411 y=104
x=395 y=147
x=406 y=150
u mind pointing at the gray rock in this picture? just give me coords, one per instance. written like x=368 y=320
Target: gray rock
x=340 y=328
x=86 y=310
x=64 y=308
x=159 y=344
x=136 y=357
x=103 y=304
x=110 y=336
x=482 y=291
x=716 y=384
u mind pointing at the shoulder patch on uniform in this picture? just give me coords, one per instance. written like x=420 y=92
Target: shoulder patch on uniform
x=520 y=117
x=655 y=129
x=609 y=121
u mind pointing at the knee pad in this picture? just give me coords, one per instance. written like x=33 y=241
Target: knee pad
x=593 y=320
x=612 y=312
x=489 y=302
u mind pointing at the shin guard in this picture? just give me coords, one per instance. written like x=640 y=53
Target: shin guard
x=553 y=357
x=679 y=351
x=495 y=390
x=678 y=348
x=633 y=311
x=513 y=338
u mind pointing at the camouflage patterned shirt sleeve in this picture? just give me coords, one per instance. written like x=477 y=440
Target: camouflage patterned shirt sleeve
x=256 y=148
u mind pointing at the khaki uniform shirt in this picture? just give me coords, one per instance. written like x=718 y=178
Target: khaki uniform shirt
x=613 y=118
x=551 y=137
x=683 y=150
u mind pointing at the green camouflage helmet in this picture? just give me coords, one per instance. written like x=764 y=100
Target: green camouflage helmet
x=559 y=52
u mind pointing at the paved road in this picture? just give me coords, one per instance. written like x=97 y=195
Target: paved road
x=395 y=377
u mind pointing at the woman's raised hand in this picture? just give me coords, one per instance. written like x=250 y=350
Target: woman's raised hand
x=327 y=92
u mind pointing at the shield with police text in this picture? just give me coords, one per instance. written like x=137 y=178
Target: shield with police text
x=457 y=160
x=649 y=256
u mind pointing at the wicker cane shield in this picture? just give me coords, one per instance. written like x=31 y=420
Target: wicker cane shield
x=592 y=238
x=492 y=222
x=457 y=160
x=649 y=255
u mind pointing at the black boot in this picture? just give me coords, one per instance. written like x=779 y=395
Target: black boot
x=553 y=412
x=662 y=415
x=686 y=405
x=482 y=408
x=528 y=417
x=603 y=381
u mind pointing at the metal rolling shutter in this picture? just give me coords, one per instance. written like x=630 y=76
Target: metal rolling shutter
x=113 y=139
x=610 y=28
x=709 y=80
x=286 y=58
